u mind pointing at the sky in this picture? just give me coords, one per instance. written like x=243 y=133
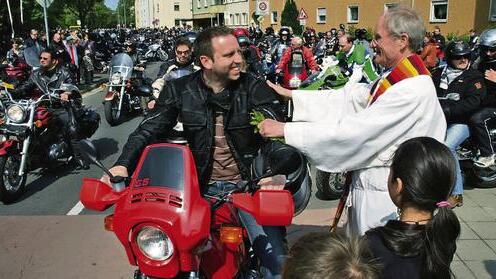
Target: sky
x=111 y=4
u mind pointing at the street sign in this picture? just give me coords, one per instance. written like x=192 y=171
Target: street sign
x=262 y=7
x=45 y=3
x=303 y=22
x=302 y=14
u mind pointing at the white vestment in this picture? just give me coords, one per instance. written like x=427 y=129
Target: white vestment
x=339 y=131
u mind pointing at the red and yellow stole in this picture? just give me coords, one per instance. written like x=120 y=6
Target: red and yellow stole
x=411 y=66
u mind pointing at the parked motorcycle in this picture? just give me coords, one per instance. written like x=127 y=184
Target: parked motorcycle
x=29 y=139
x=122 y=96
x=467 y=153
x=169 y=230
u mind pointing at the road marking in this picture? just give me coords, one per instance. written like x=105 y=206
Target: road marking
x=92 y=92
x=76 y=209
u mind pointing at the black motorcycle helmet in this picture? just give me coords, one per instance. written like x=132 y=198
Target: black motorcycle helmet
x=297 y=181
x=284 y=31
x=457 y=49
x=269 y=31
x=308 y=36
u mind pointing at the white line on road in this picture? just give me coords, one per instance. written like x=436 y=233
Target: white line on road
x=76 y=209
x=92 y=92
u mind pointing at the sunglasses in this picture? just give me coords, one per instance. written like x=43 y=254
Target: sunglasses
x=182 y=52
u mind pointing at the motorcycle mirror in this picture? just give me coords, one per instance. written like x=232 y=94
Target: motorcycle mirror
x=144 y=90
x=89 y=154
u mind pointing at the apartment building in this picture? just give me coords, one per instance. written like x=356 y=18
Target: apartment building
x=232 y=13
x=159 y=13
x=452 y=16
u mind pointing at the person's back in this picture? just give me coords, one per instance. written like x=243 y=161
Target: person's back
x=328 y=256
x=422 y=243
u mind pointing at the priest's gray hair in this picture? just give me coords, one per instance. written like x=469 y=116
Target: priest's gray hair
x=404 y=20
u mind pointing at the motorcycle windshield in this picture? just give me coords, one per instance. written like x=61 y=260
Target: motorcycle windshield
x=162 y=167
x=32 y=57
x=123 y=64
x=297 y=62
x=320 y=49
x=177 y=73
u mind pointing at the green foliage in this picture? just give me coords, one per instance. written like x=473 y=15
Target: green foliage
x=289 y=17
x=456 y=37
x=256 y=118
x=125 y=10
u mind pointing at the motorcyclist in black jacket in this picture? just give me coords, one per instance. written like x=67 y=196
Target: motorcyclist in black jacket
x=214 y=104
x=460 y=90
x=51 y=76
x=486 y=64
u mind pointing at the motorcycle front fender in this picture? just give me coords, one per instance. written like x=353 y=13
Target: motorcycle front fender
x=110 y=95
x=5 y=146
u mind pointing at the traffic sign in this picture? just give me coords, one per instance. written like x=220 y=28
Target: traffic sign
x=302 y=14
x=262 y=7
x=45 y=3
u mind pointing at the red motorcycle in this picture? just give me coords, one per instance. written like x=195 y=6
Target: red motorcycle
x=168 y=229
x=295 y=71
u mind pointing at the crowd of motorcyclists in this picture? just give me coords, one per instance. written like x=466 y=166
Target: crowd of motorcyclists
x=464 y=74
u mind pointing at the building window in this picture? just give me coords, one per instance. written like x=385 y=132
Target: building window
x=321 y=15
x=198 y=3
x=158 y=8
x=237 y=19
x=177 y=22
x=390 y=6
x=231 y=19
x=176 y=7
x=245 y=19
x=273 y=17
x=352 y=14
x=492 y=11
x=439 y=11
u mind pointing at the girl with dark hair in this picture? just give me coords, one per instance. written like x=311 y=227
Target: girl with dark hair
x=421 y=244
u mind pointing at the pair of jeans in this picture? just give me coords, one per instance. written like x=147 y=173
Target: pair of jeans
x=455 y=135
x=268 y=242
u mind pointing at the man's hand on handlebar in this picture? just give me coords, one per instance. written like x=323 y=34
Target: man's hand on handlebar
x=276 y=182
x=116 y=171
x=64 y=97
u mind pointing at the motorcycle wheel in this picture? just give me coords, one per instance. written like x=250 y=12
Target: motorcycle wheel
x=330 y=185
x=112 y=115
x=12 y=186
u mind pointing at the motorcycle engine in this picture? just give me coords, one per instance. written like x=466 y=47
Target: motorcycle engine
x=57 y=151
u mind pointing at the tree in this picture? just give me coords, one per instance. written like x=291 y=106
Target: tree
x=125 y=10
x=289 y=17
x=81 y=8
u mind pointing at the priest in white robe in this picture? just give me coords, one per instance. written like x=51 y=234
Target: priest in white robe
x=358 y=127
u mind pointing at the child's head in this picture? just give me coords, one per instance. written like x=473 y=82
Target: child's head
x=330 y=255
x=422 y=174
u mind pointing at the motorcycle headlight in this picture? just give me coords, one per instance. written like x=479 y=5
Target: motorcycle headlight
x=116 y=79
x=154 y=243
x=16 y=113
x=294 y=82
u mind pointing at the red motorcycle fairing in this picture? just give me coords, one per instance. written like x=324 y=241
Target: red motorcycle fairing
x=110 y=95
x=164 y=193
x=5 y=146
x=295 y=69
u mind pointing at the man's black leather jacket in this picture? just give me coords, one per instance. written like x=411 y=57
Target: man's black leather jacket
x=189 y=98
x=45 y=81
x=167 y=64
